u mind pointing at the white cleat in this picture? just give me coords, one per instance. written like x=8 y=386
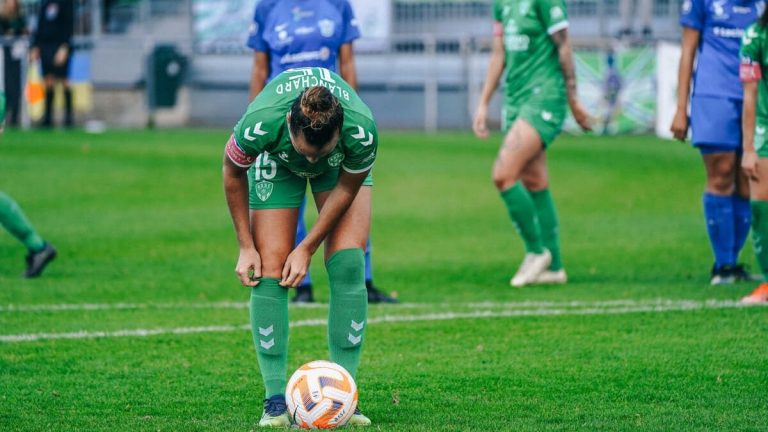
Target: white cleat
x=531 y=268
x=549 y=277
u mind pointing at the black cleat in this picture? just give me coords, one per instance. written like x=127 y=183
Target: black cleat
x=36 y=261
x=303 y=294
x=722 y=275
x=376 y=296
x=741 y=274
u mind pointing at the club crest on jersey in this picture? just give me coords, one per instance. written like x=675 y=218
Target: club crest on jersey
x=718 y=10
x=327 y=27
x=264 y=190
x=335 y=159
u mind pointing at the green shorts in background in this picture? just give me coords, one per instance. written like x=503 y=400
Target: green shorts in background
x=546 y=115
x=273 y=186
x=761 y=139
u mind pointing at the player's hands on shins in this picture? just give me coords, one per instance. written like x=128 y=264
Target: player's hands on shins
x=61 y=56
x=679 y=126
x=749 y=164
x=295 y=267
x=34 y=54
x=581 y=116
x=480 y=122
x=248 y=267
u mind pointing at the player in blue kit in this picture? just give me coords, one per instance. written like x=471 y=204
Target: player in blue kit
x=288 y=34
x=712 y=31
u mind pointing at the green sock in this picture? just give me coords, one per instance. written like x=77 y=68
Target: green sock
x=760 y=234
x=13 y=219
x=348 y=310
x=550 y=231
x=269 y=323
x=523 y=213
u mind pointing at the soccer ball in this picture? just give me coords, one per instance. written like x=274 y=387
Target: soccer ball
x=321 y=395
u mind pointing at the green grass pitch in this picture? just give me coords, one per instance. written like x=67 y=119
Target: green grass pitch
x=140 y=324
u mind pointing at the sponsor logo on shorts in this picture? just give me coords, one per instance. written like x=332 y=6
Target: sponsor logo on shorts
x=264 y=190
x=335 y=159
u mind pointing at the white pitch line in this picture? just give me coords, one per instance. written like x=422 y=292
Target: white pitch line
x=77 y=307
x=688 y=305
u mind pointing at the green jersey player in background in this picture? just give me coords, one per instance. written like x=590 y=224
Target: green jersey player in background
x=531 y=48
x=305 y=125
x=754 y=120
x=39 y=252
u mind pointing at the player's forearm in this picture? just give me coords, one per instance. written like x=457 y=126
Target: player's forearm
x=347 y=68
x=748 y=116
x=685 y=69
x=259 y=73
x=335 y=206
x=236 y=191
x=565 y=57
x=495 y=70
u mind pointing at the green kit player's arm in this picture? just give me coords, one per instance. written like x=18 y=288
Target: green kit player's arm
x=337 y=203
x=750 y=74
x=565 y=55
x=495 y=70
x=248 y=267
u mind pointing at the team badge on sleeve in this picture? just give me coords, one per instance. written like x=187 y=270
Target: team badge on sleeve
x=237 y=155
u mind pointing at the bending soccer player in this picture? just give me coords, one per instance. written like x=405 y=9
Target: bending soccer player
x=305 y=125
x=715 y=121
x=531 y=42
x=310 y=34
x=754 y=162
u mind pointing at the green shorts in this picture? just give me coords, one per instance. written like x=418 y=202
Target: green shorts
x=273 y=186
x=761 y=138
x=546 y=115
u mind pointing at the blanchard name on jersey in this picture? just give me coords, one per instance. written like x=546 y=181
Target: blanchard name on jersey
x=726 y=32
x=299 y=83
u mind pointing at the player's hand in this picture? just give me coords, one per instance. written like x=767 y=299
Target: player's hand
x=61 y=55
x=581 y=116
x=749 y=164
x=480 y=122
x=248 y=267
x=679 y=126
x=296 y=266
x=34 y=54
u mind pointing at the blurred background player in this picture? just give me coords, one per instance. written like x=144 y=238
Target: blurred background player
x=643 y=8
x=52 y=44
x=292 y=134
x=531 y=44
x=289 y=34
x=711 y=35
x=13 y=27
x=754 y=60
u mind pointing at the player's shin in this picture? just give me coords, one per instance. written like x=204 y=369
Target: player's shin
x=348 y=312
x=550 y=230
x=760 y=234
x=13 y=219
x=269 y=323
x=742 y=218
x=523 y=213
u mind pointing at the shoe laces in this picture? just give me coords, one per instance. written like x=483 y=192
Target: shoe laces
x=275 y=405
x=357 y=411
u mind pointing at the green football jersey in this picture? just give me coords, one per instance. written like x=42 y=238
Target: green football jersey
x=264 y=128
x=532 y=63
x=754 y=62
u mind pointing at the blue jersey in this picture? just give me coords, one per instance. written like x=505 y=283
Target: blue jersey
x=302 y=33
x=721 y=24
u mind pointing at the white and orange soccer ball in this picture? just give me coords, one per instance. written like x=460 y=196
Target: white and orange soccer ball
x=321 y=395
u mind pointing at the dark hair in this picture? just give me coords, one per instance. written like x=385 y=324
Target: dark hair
x=764 y=18
x=316 y=114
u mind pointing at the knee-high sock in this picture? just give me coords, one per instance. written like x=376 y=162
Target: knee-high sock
x=48 y=110
x=718 y=211
x=269 y=323
x=760 y=234
x=550 y=230
x=301 y=232
x=742 y=218
x=13 y=219
x=348 y=312
x=523 y=213
x=368 y=265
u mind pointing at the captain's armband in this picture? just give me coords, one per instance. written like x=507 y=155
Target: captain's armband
x=237 y=155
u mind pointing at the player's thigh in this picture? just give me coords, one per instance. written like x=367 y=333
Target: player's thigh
x=521 y=144
x=353 y=227
x=536 y=175
x=274 y=233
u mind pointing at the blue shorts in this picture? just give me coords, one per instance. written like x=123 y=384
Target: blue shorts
x=716 y=124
